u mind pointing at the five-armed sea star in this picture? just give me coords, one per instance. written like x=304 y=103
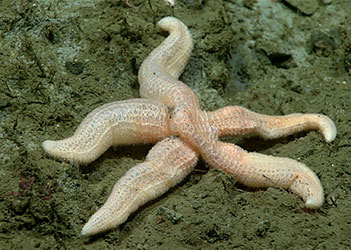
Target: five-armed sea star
x=169 y=113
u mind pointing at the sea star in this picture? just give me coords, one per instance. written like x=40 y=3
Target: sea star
x=169 y=113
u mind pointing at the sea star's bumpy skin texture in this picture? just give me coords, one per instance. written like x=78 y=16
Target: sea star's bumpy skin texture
x=171 y=159
x=116 y=123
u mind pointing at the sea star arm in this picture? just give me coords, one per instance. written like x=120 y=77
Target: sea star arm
x=116 y=123
x=236 y=120
x=158 y=76
x=258 y=170
x=167 y=163
x=159 y=72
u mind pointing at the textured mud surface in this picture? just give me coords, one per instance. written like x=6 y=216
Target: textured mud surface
x=61 y=59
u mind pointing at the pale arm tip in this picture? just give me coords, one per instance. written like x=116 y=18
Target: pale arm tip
x=327 y=128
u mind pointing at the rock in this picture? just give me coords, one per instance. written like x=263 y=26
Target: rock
x=326 y=2
x=324 y=41
x=169 y=214
x=307 y=8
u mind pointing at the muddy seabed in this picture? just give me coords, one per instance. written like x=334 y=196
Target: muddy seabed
x=61 y=59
